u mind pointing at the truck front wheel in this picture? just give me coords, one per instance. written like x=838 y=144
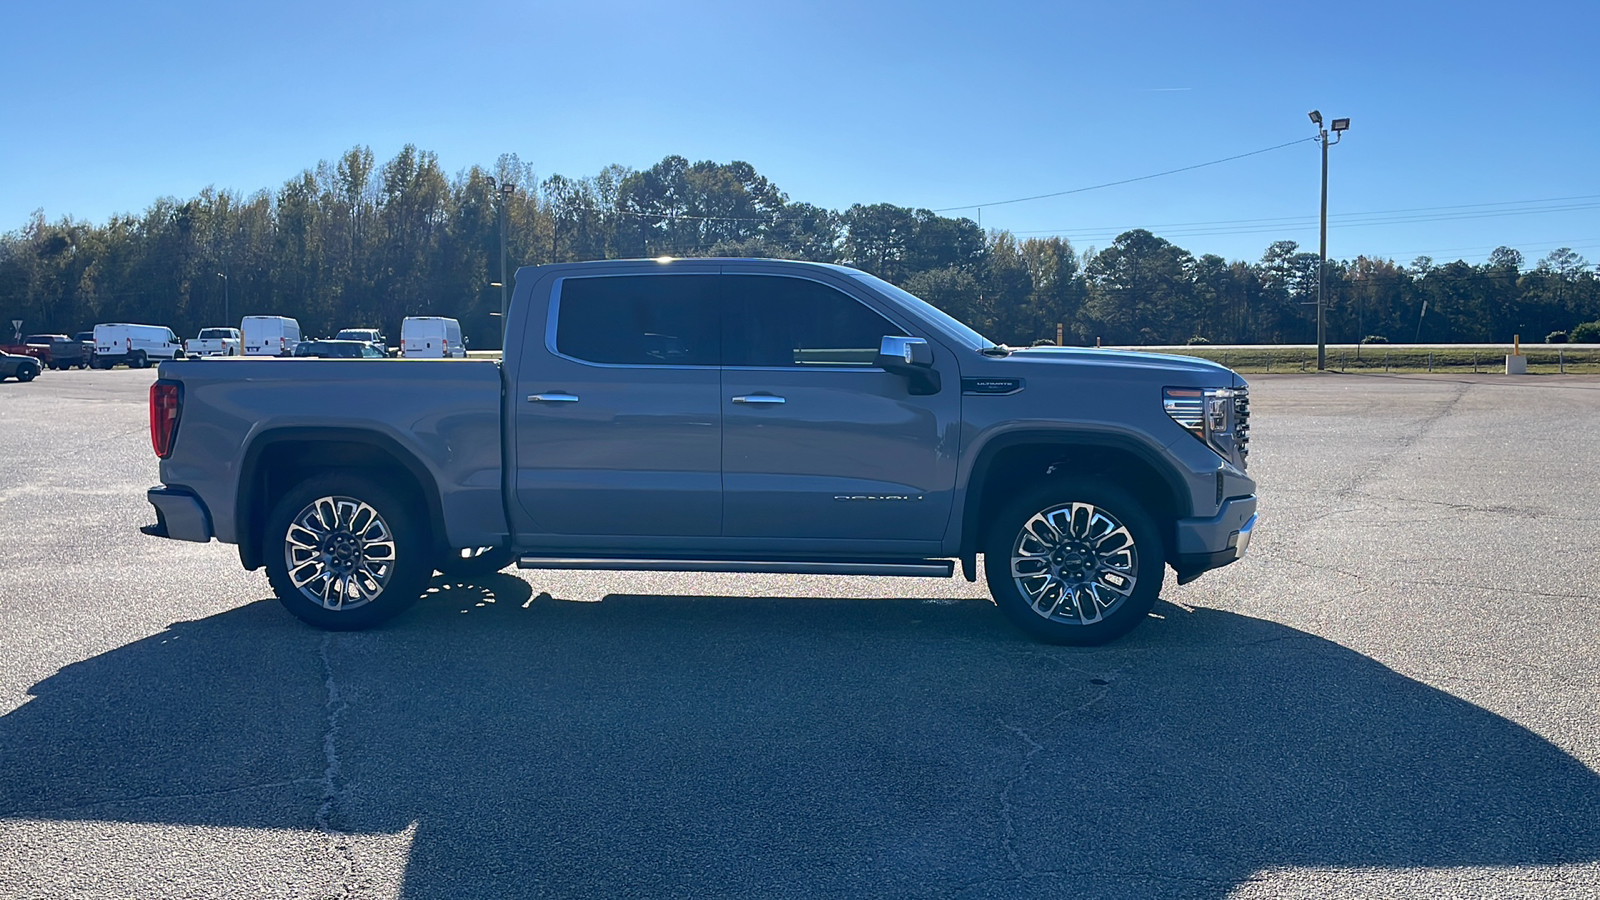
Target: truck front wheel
x=1074 y=561
x=343 y=553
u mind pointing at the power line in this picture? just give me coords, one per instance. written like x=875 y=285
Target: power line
x=1096 y=187
x=1346 y=220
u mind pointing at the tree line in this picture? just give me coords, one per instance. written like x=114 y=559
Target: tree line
x=351 y=243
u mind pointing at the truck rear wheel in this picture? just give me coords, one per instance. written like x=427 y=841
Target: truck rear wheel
x=1074 y=562
x=344 y=553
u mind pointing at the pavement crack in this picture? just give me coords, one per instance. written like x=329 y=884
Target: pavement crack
x=334 y=786
x=1008 y=825
x=1405 y=442
x=332 y=772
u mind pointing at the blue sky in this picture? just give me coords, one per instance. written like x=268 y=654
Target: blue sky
x=932 y=104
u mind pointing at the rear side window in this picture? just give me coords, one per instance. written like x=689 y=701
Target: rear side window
x=640 y=320
x=775 y=321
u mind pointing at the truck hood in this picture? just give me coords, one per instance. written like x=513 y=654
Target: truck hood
x=1188 y=370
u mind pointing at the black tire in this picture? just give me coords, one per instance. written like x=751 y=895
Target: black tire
x=480 y=565
x=410 y=561
x=179 y=354
x=137 y=360
x=1093 y=559
x=26 y=373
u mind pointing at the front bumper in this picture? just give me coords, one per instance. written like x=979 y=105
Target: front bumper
x=1205 y=544
x=180 y=515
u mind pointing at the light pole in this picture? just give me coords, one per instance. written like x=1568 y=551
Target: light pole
x=505 y=190
x=226 y=319
x=1338 y=126
x=505 y=300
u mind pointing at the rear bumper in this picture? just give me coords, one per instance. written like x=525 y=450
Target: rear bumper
x=1206 y=544
x=180 y=515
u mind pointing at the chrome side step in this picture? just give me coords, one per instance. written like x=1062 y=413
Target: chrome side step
x=923 y=568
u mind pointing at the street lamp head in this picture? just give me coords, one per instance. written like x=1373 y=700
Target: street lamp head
x=1340 y=124
x=1316 y=117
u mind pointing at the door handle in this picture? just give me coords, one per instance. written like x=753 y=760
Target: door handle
x=758 y=399
x=552 y=398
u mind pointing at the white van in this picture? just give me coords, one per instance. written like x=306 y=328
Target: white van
x=270 y=335
x=135 y=345
x=431 y=337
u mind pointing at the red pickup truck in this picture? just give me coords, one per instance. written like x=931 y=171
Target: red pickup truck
x=27 y=347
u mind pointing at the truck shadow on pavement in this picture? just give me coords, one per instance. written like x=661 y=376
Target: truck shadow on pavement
x=712 y=746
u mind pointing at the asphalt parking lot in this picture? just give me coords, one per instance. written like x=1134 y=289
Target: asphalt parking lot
x=1394 y=695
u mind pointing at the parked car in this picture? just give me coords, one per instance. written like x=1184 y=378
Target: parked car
x=26 y=347
x=215 y=342
x=61 y=352
x=18 y=366
x=721 y=416
x=431 y=337
x=269 y=335
x=136 y=346
x=86 y=339
x=333 y=349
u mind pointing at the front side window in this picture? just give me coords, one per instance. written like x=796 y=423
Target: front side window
x=776 y=321
x=640 y=320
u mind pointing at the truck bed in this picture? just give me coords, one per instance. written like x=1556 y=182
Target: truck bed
x=445 y=413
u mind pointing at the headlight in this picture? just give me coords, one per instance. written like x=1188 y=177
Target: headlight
x=1218 y=417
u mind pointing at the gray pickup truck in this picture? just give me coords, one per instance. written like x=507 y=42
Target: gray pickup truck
x=716 y=415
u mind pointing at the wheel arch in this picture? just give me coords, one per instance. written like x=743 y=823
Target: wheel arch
x=1009 y=461
x=278 y=459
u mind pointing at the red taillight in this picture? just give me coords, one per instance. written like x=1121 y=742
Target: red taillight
x=166 y=398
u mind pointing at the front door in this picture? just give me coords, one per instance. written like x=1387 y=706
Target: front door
x=817 y=443
x=618 y=410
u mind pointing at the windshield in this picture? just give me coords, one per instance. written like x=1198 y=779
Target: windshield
x=945 y=323
x=211 y=334
x=329 y=349
x=358 y=334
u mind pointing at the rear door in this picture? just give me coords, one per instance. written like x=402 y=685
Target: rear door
x=817 y=443
x=618 y=412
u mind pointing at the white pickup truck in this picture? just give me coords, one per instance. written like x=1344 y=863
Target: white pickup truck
x=215 y=342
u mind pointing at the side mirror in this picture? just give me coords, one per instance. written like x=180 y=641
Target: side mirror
x=911 y=357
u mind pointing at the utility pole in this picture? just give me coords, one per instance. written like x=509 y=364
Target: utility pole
x=1339 y=126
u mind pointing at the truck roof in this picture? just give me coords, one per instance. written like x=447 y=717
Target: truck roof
x=692 y=261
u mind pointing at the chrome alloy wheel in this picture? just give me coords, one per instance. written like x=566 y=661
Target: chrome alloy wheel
x=340 y=553
x=1075 y=563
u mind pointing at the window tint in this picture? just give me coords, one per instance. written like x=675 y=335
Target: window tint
x=641 y=320
x=777 y=321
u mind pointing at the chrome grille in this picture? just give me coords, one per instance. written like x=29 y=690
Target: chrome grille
x=1241 y=417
